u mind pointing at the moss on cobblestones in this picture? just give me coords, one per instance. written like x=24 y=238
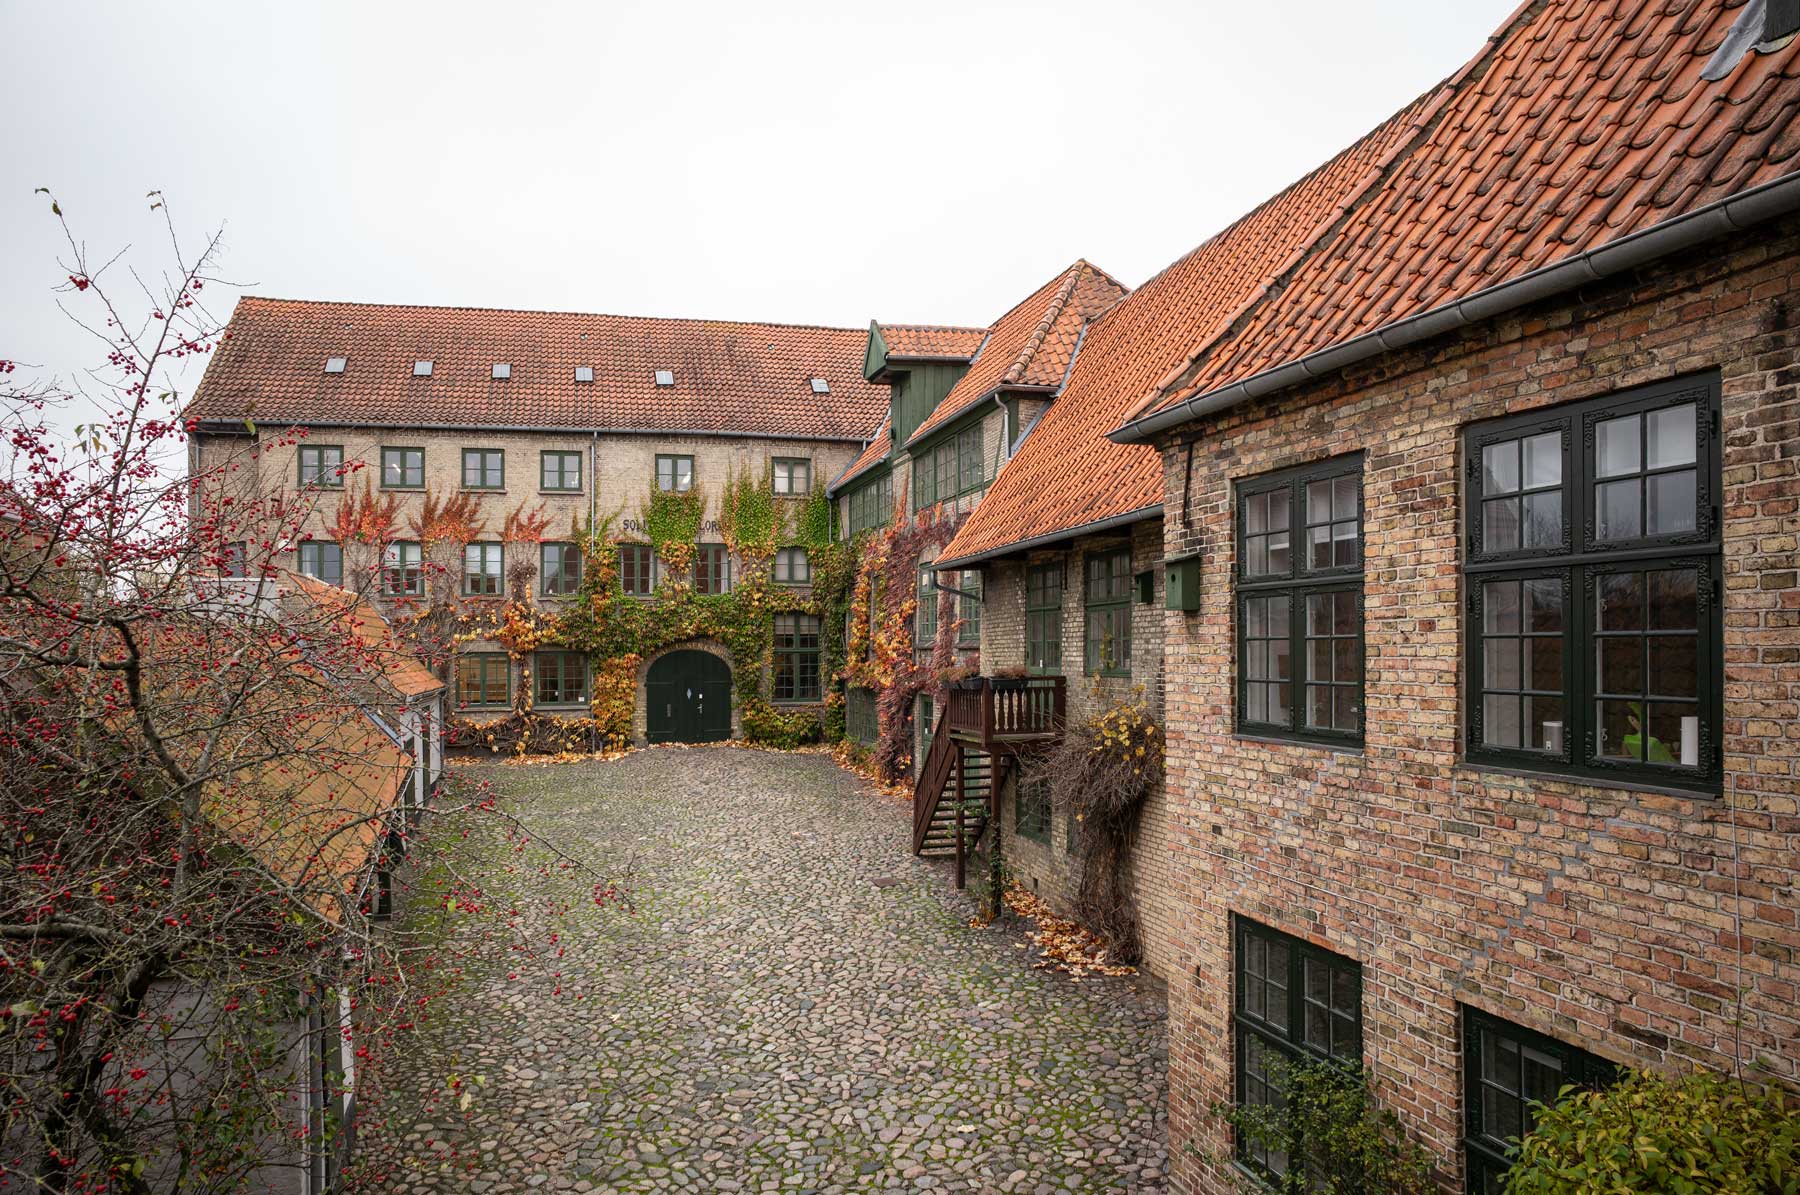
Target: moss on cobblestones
x=769 y=1014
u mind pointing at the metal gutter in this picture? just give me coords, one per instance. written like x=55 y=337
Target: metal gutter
x=1038 y=541
x=1736 y=213
x=237 y=426
x=941 y=430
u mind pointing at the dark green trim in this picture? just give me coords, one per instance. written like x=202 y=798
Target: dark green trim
x=498 y=578
x=483 y=484
x=402 y=449
x=1484 y=1151
x=567 y=553
x=1044 y=616
x=486 y=661
x=580 y=456
x=335 y=482
x=1109 y=603
x=790 y=462
x=674 y=473
x=541 y=662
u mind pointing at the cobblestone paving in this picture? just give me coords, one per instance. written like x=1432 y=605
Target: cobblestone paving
x=794 y=1005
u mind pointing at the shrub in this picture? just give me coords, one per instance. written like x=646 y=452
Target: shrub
x=1338 y=1140
x=1692 y=1135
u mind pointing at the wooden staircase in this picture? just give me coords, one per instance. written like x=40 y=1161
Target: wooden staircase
x=974 y=747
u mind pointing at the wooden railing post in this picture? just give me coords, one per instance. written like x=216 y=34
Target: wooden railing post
x=987 y=714
x=961 y=789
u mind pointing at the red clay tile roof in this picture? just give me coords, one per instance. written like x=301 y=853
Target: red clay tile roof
x=1067 y=474
x=931 y=341
x=873 y=455
x=747 y=379
x=1032 y=344
x=398 y=667
x=1579 y=123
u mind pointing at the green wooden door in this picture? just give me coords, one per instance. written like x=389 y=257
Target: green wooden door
x=689 y=698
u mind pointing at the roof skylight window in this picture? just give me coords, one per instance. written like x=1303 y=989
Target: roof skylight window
x=584 y=373
x=665 y=377
x=421 y=369
x=502 y=370
x=334 y=365
x=821 y=386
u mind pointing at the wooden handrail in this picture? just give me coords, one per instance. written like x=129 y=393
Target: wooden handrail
x=991 y=709
x=932 y=779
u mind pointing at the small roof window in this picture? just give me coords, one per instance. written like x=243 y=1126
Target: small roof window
x=821 y=386
x=334 y=365
x=584 y=373
x=421 y=369
x=502 y=370
x=665 y=377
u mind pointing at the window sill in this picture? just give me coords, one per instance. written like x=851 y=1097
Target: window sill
x=796 y=701
x=560 y=707
x=1107 y=673
x=1284 y=740
x=404 y=489
x=1480 y=768
x=562 y=493
x=482 y=489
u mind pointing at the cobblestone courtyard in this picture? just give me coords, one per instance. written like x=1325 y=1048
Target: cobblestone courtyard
x=795 y=1004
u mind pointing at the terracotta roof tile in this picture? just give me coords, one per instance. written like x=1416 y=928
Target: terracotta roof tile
x=874 y=454
x=744 y=378
x=1579 y=123
x=1032 y=344
x=399 y=668
x=931 y=340
x=1067 y=474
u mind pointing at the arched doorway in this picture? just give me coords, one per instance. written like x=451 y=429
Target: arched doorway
x=688 y=698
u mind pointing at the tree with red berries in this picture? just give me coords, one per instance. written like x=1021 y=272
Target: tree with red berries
x=197 y=787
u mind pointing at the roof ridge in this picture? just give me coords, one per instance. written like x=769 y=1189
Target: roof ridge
x=1052 y=312
x=643 y=319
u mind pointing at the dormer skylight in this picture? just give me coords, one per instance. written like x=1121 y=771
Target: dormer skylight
x=334 y=365
x=665 y=377
x=584 y=373
x=502 y=371
x=421 y=369
x=821 y=386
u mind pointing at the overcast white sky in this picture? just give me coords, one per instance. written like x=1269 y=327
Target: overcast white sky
x=822 y=162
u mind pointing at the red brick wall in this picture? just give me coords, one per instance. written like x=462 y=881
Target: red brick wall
x=1622 y=921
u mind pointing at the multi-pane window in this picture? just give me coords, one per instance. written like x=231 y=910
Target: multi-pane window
x=562 y=677
x=482 y=569
x=323 y=561
x=559 y=471
x=402 y=468
x=968 y=608
x=403 y=570
x=1031 y=810
x=1592 y=567
x=861 y=722
x=927 y=725
x=793 y=567
x=675 y=473
x=1043 y=617
x=637 y=569
x=969 y=472
x=483 y=469
x=561 y=569
x=1106 y=591
x=955 y=466
x=1300 y=602
x=322 y=465
x=792 y=475
x=1506 y=1070
x=796 y=657
x=483 y=679
x=872 y=505
x=712 y=569
x=925 y=618
x=1295 y=1004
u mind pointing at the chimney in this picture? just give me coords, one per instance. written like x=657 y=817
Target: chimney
x=1781 y=19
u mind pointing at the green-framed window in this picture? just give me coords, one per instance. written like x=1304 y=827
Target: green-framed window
x=861 y=722
x=1506 y=1070
x=1294 y=1003
x=560 y=677
x=791 y=476
x=403 y=569
x=971 y=471
x=483 y=679
x=483 y=570
x=322 y=560
x=402 y=468
x=793 y=567
x=637 y=569
x=1593 y=565
x=1106 y=593
x=1044 y=617
x=322 y=465
x=712 y=568
x=484 y=468
x=968 y=607
x=924 y=486
x=559 y=472
x=872 y=504
x=1300 y=602
x=674 y=473
x=560 y=565
x=927 y=725
x=951 y=468
x=925 y=618
x=1031 y=809
x=796 y=658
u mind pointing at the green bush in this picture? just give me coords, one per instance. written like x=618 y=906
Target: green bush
x=1648 y=1134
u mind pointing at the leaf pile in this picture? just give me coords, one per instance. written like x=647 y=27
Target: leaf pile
x=1062 y=944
